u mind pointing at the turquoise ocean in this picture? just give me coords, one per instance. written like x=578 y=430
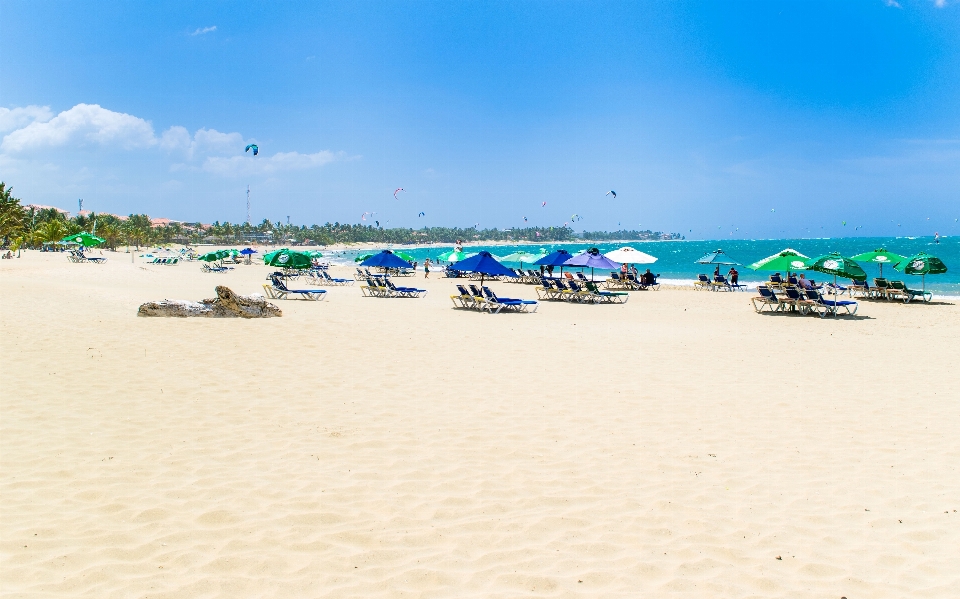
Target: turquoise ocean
x=676 y=259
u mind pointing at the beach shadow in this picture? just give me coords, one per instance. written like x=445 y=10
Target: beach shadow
x=799 y=315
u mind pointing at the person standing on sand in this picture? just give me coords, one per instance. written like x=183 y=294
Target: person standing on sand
x=734 y=275
x=426 y=268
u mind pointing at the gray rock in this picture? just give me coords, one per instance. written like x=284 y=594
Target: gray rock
x=227 y=304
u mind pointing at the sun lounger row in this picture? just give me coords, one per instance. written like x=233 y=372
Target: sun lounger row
x=165 y=261
x=530 y=277
x=805 y=301
x=364 y=274
x=321 y=277
x=277 y=289
x=485 y=300
x=630 y=282
x=894 y=290
x=384 y=287
x=79 y=256
x=215 y=269
x=719 y=283
x=572 y=291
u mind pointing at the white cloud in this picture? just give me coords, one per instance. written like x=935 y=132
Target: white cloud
x=17 y=118
x=893 y=4
x=204 y=142
x=940 y=3
x=84 y=123
x=201 y=31
x=281 y=161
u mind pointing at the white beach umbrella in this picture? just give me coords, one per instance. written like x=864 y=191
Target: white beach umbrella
x=628 y=255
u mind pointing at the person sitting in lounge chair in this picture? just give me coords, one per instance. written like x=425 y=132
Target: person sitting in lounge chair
x=804 y=282
x=716 y=273
x=648 y=278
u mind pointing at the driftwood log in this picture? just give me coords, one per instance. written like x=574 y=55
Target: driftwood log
x=227 y=304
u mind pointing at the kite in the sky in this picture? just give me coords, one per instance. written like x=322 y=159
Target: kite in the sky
x=378 y=222
x=364 y=216
x=421 y=214
x=254 y=147
x=844 y=223
x=773 y=210
x=611 y=192
x=543 y=204
x=524 y=219
x=395 y=192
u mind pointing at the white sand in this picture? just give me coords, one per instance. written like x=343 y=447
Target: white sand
x=674 y=446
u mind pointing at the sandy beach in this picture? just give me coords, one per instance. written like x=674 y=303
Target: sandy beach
x=676 y=446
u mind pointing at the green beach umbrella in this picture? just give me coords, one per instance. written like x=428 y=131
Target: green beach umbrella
x=314 y=254
x=922 y=264
x=271 y=255
x=787 y=260
x=881 y=256
x=84 y=239
x=289 y=259
x=838 y=266
x=214 y=256
x=403 y=256
x=362 y=258
x=453 y=255
x=522 y=257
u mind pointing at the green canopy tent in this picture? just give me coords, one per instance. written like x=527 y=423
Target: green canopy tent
x=287 y=258
x=922 y=264
x=788 y=260
x=83 y=239
x=881 y=256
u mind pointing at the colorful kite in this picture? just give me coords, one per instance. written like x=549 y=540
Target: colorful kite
x=256 y=149
x=395 y=192
x=611 y=192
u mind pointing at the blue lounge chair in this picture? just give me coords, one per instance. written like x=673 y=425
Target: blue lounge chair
x=500 y=303
x=767 y=299
x=605 y=297
x=463 y=298
x=394 y=291
x=278 y=290
x=826 y=306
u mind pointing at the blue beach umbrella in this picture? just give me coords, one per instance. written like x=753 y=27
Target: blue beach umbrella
x=485 y=264
x=247 y=251
x=717 y=257
x=594 y=259
x=557 y=258
x=386 y=259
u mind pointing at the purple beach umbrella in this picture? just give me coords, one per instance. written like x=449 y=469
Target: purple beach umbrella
x=594 y=259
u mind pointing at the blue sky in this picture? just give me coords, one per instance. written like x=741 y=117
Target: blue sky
x=713 y=119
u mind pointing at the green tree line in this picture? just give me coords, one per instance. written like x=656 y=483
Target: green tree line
x=31 y=228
